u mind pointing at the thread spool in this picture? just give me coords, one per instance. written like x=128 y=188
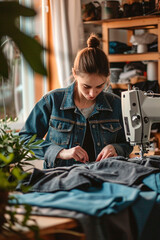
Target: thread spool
x=152 y=71
x=142 y=48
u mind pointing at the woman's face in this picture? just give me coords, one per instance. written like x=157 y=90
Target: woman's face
x=89 y=86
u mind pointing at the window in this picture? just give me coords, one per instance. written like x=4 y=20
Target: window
x=23 y=88
x=11 y=88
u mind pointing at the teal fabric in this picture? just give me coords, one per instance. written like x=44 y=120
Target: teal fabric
x=153 y=182
x=142 y=209
x=111 y=198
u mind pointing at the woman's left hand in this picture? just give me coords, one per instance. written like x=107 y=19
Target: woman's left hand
x=108 y=151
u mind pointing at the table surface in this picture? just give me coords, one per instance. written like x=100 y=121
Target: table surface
x=50 y=224
x=47 y=225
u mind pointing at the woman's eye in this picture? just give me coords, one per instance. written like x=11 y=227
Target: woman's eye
x=100 y=86
x=87 y=87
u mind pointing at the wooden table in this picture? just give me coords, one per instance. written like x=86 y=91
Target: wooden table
x=49 y=226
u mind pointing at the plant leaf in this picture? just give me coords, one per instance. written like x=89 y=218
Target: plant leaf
x=15 y=9
x=30 y=48
x=16 y=172
x=37 y=142
x=7 y=159
x=9 y=12
x=32 y=139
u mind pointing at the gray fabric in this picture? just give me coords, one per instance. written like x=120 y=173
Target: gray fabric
x=109 y=227
x=87 y=111
x=114 y=169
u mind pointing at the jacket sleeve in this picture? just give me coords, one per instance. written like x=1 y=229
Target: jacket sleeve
x=37 y=124
x=123 y=149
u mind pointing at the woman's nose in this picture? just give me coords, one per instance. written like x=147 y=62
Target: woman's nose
x=92 y=93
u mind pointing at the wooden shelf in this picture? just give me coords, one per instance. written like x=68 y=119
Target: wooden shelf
x=130 y=24
x=127 y=23
x=123 y=86
x=133 y=57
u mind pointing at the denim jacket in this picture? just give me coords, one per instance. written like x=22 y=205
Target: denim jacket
x=57 y=118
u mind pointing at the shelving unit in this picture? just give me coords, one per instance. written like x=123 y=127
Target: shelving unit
x=130 y=24
x=152 y=23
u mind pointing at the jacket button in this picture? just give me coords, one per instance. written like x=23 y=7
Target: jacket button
x=98 y=143
x=111 y=127
x=93 y=126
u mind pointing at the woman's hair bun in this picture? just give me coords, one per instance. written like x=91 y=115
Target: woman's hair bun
x=93 y=41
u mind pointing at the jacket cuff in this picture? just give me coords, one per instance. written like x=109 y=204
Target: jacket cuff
x=50 y=156
x=123 y=150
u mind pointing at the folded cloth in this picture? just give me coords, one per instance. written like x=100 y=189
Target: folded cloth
x=114 y=169
x=145 y=38
x=153 y=182
x=118 y=47
x=124 y=81
x=109 y=199
x=129 y=74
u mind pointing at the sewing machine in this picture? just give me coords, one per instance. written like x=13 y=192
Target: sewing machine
x=140 y=110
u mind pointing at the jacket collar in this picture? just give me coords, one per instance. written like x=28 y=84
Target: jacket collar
x=68 y=99
x=102 y=102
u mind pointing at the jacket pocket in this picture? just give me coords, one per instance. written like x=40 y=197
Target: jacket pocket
x=111 y=126
x=109 y=131
x=60 y=132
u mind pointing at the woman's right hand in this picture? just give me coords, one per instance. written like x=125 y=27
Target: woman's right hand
x=78 y=153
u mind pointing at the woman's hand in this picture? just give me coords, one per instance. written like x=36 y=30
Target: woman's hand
x=108 y=151
x=78 y=153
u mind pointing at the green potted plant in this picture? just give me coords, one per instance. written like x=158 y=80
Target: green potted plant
x=13 y=154
x=13 y=157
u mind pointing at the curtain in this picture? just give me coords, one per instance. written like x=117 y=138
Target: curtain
x=68 y=35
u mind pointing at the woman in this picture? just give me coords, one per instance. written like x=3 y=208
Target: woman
x=82 y=122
